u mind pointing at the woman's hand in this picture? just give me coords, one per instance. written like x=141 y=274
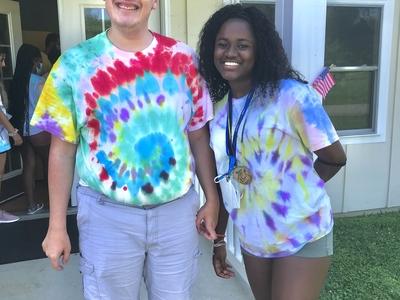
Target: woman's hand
x=17 y=139
x=221 y=267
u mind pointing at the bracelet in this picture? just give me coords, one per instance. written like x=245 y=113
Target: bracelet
x=14 y=133
x=341 y=164
x=219 y=244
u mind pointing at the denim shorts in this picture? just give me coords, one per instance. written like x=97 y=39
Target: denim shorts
x=121 y=244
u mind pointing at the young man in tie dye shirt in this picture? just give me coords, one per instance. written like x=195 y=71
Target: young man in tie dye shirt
x=131 y=110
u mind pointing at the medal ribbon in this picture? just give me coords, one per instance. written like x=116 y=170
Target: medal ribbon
x=231 y=143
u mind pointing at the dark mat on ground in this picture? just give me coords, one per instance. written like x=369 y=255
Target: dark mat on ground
x=22 y=240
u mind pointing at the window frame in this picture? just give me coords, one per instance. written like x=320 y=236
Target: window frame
x=377 y=133
x=83 y=21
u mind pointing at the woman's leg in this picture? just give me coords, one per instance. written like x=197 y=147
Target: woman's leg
x=28 y=173
x=3 y=157
x=41 y=146
x=299 y=278
x=259 y=274
x=5 y=217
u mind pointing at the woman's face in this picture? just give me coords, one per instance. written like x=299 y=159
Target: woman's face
x=234 y=52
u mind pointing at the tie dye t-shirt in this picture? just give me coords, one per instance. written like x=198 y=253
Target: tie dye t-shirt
x=130 y=114
x=285 y=206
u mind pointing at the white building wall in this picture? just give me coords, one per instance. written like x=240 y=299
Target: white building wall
x=367 y=177
x=372 y=178
x=394 y=174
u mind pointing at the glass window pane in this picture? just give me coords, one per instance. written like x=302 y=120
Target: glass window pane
x=352 y=35
x=350 y=102
x=353 y=40
x=267 y=9
x=4 y=30
x=93 y=22
x=95 y=19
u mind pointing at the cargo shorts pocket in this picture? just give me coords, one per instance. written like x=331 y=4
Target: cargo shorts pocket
x=195 y=267
x=90 y=284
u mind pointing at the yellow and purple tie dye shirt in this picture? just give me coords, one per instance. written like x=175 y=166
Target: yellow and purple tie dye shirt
x=286 y=205
x=130 y=114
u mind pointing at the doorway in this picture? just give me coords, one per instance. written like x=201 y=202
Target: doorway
x=23 y=22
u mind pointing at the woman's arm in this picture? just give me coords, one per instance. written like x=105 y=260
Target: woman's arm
x=223 y=216
x=12 y=132
x=330 y=160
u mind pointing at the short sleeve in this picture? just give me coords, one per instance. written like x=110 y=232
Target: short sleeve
x=311 y=121
x=202 y=104
x=55 y=111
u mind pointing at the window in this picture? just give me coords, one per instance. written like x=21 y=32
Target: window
x=5 y=47
x=267 y=8
x=352 y=46
x=96 y=21
x=356 y=36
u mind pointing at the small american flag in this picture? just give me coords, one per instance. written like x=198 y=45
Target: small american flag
x=324 y=82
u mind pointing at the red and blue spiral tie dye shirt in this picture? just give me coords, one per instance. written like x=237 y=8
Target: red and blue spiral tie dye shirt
x=130 y=114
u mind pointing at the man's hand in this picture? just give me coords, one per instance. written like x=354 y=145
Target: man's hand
x=57 y=247
x=207 y=218
x=221 y=267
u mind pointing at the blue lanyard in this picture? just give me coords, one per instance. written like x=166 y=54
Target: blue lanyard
x=231 y=143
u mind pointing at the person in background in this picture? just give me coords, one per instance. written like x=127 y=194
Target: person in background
x=268 y=124
x=52 y=44
x=52 y=51
x=25 y=90
x=6 y=131
x=130 y=110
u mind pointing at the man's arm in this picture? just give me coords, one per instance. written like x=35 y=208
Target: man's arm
x=56 y=244
x=205 y=169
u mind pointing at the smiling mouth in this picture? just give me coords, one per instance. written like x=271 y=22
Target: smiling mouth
x=127 y=6
x=231 y=64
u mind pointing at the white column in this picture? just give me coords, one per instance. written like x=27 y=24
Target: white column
x=301 y=24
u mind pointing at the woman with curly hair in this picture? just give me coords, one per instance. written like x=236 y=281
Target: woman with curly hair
x=268 y=123
x=25 y=90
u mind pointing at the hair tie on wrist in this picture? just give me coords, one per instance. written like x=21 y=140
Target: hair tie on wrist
x=219 y=244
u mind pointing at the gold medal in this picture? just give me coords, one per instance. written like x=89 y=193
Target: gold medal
x=242 y=175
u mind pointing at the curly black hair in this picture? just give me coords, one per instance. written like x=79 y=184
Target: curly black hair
x=271 y=62
x=19 y=85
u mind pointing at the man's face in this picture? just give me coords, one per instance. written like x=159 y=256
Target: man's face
x=130 y=14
